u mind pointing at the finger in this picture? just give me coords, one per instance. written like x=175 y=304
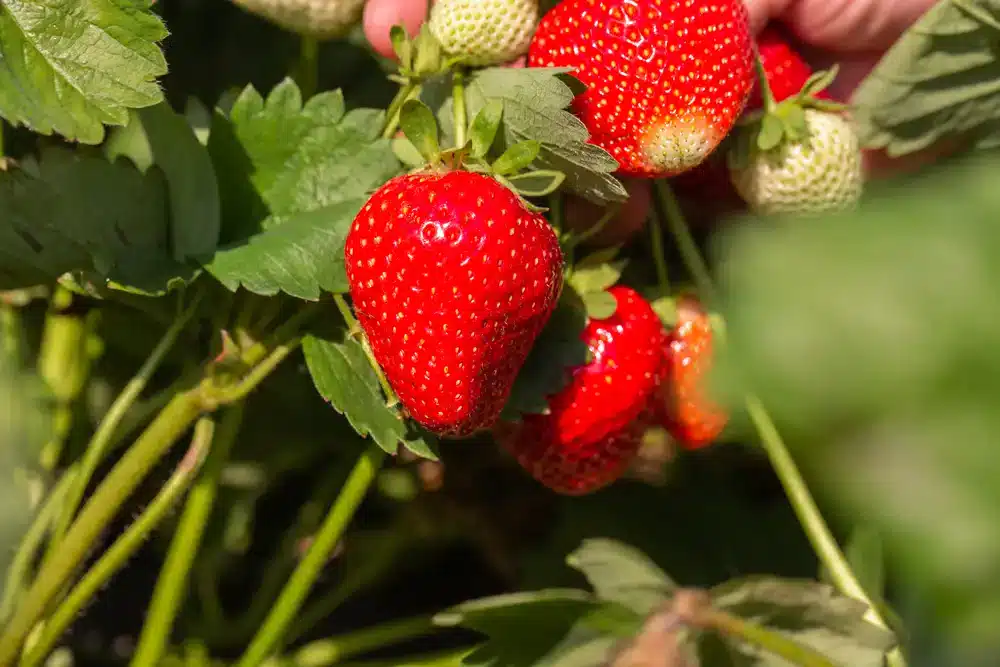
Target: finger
x=581 y=215
x=848 y=25
x=382 y=15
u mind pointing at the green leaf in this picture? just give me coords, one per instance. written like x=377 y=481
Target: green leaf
x=343 y=377
x=70 y=66
x=598 y=271
x=163 y=138
x=599 y=305
x=620 y=573
x=407 y=153
x=941 y=80
x=300 y=254
x=517 y=157
x=419 y=125
x=535 y=102
x=771 y=132
x=310 y=166
x=69 y=212
x=537 y=183
x=559 y=348
x=523 y=627
x=484 y=128
x=809 y=612
x=401 y=46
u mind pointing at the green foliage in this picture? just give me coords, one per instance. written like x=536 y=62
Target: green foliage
x=534 y=109
x=70 y=66
x=871 y=336
x=345 y=378
x=623 y=574
x=68 y=211
x=939 y=81
x=292 y=178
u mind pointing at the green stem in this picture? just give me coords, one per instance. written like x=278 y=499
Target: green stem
x=404 y=95
x=335 y=649
x=125 y=546
x=674 y=217
x=104 y=436
x=133 y=467
x=307 y=69
x=272 y=631
x=595 y=229
x=459 y=106
x=257 y=374
x=656 y=249
x=172 y=584
x=17 y=573
x=813 y=524
x=353 y=327
x=755 y=635
x=766 y=94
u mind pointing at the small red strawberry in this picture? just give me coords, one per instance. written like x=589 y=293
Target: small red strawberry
x=596 y=423
x=692 y=419
x=786 y=71
x=666 y=79
x=452 y=279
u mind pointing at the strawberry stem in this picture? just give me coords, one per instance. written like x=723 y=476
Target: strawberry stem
x=458 y=102
x=766 y=94
x=406 y=93
x=656 y=248
x=813 y=524
x=575 y=240
x=352 y=324
x=307 y=69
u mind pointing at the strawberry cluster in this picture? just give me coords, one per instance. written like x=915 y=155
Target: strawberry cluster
x=454 y=275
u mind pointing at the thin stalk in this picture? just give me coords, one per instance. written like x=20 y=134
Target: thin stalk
x=104 y=436
x=766 y=93
x=405 y=94
x=656 y=246
x=125 y=546
x=271 y=633
x=257 y=374
x=352 y=325
x=307 y=70
x=172 y=584
x=755 y=635
x=595 y=229
x=459 y=106
x=332 y=650
x=128 y=473
x=805 y=507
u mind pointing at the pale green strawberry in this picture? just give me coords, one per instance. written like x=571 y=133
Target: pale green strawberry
x=316 y=18
x=484 y=32
x=821 y=171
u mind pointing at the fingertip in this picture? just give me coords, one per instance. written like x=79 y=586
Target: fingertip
x=381 y=15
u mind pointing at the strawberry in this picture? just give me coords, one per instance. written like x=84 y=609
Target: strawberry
x=821 y=171
x=596 y=423
x=317 y=18
x=785 y=69
x=692 y=419
x=452 y=279
x=484 y=32
x=666 y=79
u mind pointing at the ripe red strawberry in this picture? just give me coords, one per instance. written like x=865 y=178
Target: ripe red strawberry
x=692 y=419
x=595 y=424
x=784 y=68
x=452 y=280
x=666 y=79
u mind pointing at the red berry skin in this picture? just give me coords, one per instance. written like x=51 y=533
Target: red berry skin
x=596 y=423
x=692 y=419
x=786 y=71
x=452 y=280
x=666 y=79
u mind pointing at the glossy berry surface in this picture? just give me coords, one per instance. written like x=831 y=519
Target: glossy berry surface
x=595 y=424
x=452 y=280
x=666 y=79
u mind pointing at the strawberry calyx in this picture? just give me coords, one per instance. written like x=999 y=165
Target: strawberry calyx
x=590 y=278
x=420 y=58
x=777 y=123
x=420 y=148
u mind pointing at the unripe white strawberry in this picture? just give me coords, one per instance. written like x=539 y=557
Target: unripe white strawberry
x=484 y=32
x=316 y=18
x=821 y=173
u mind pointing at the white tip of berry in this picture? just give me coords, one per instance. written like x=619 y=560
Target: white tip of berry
x=317 y=18
x=484 y=32
x=675 y=146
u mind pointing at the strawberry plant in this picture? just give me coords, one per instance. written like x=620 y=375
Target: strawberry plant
x=311 y=356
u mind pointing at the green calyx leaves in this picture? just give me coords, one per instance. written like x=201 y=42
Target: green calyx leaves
x=419 y=58
x=421 y=148
x=592 y=277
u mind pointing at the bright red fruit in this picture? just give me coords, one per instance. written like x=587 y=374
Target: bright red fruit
x=666 y=79
x=784 y=68
x=452 y=280
x=595 y=424
x=692 y=419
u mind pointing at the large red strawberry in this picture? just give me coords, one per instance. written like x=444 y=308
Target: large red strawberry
x=452 y=279
x=666 y=79
x=596 y=422
x=685 y=409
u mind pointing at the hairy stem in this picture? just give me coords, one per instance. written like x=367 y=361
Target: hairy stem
x=172 y=584
x=405 y=94
x=271 y=633
x=336 y=649
x=352 y=326
x=459 y=106
x=125 y=546
x=307 y=69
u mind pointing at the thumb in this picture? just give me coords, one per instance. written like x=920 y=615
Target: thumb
x=841 y=25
